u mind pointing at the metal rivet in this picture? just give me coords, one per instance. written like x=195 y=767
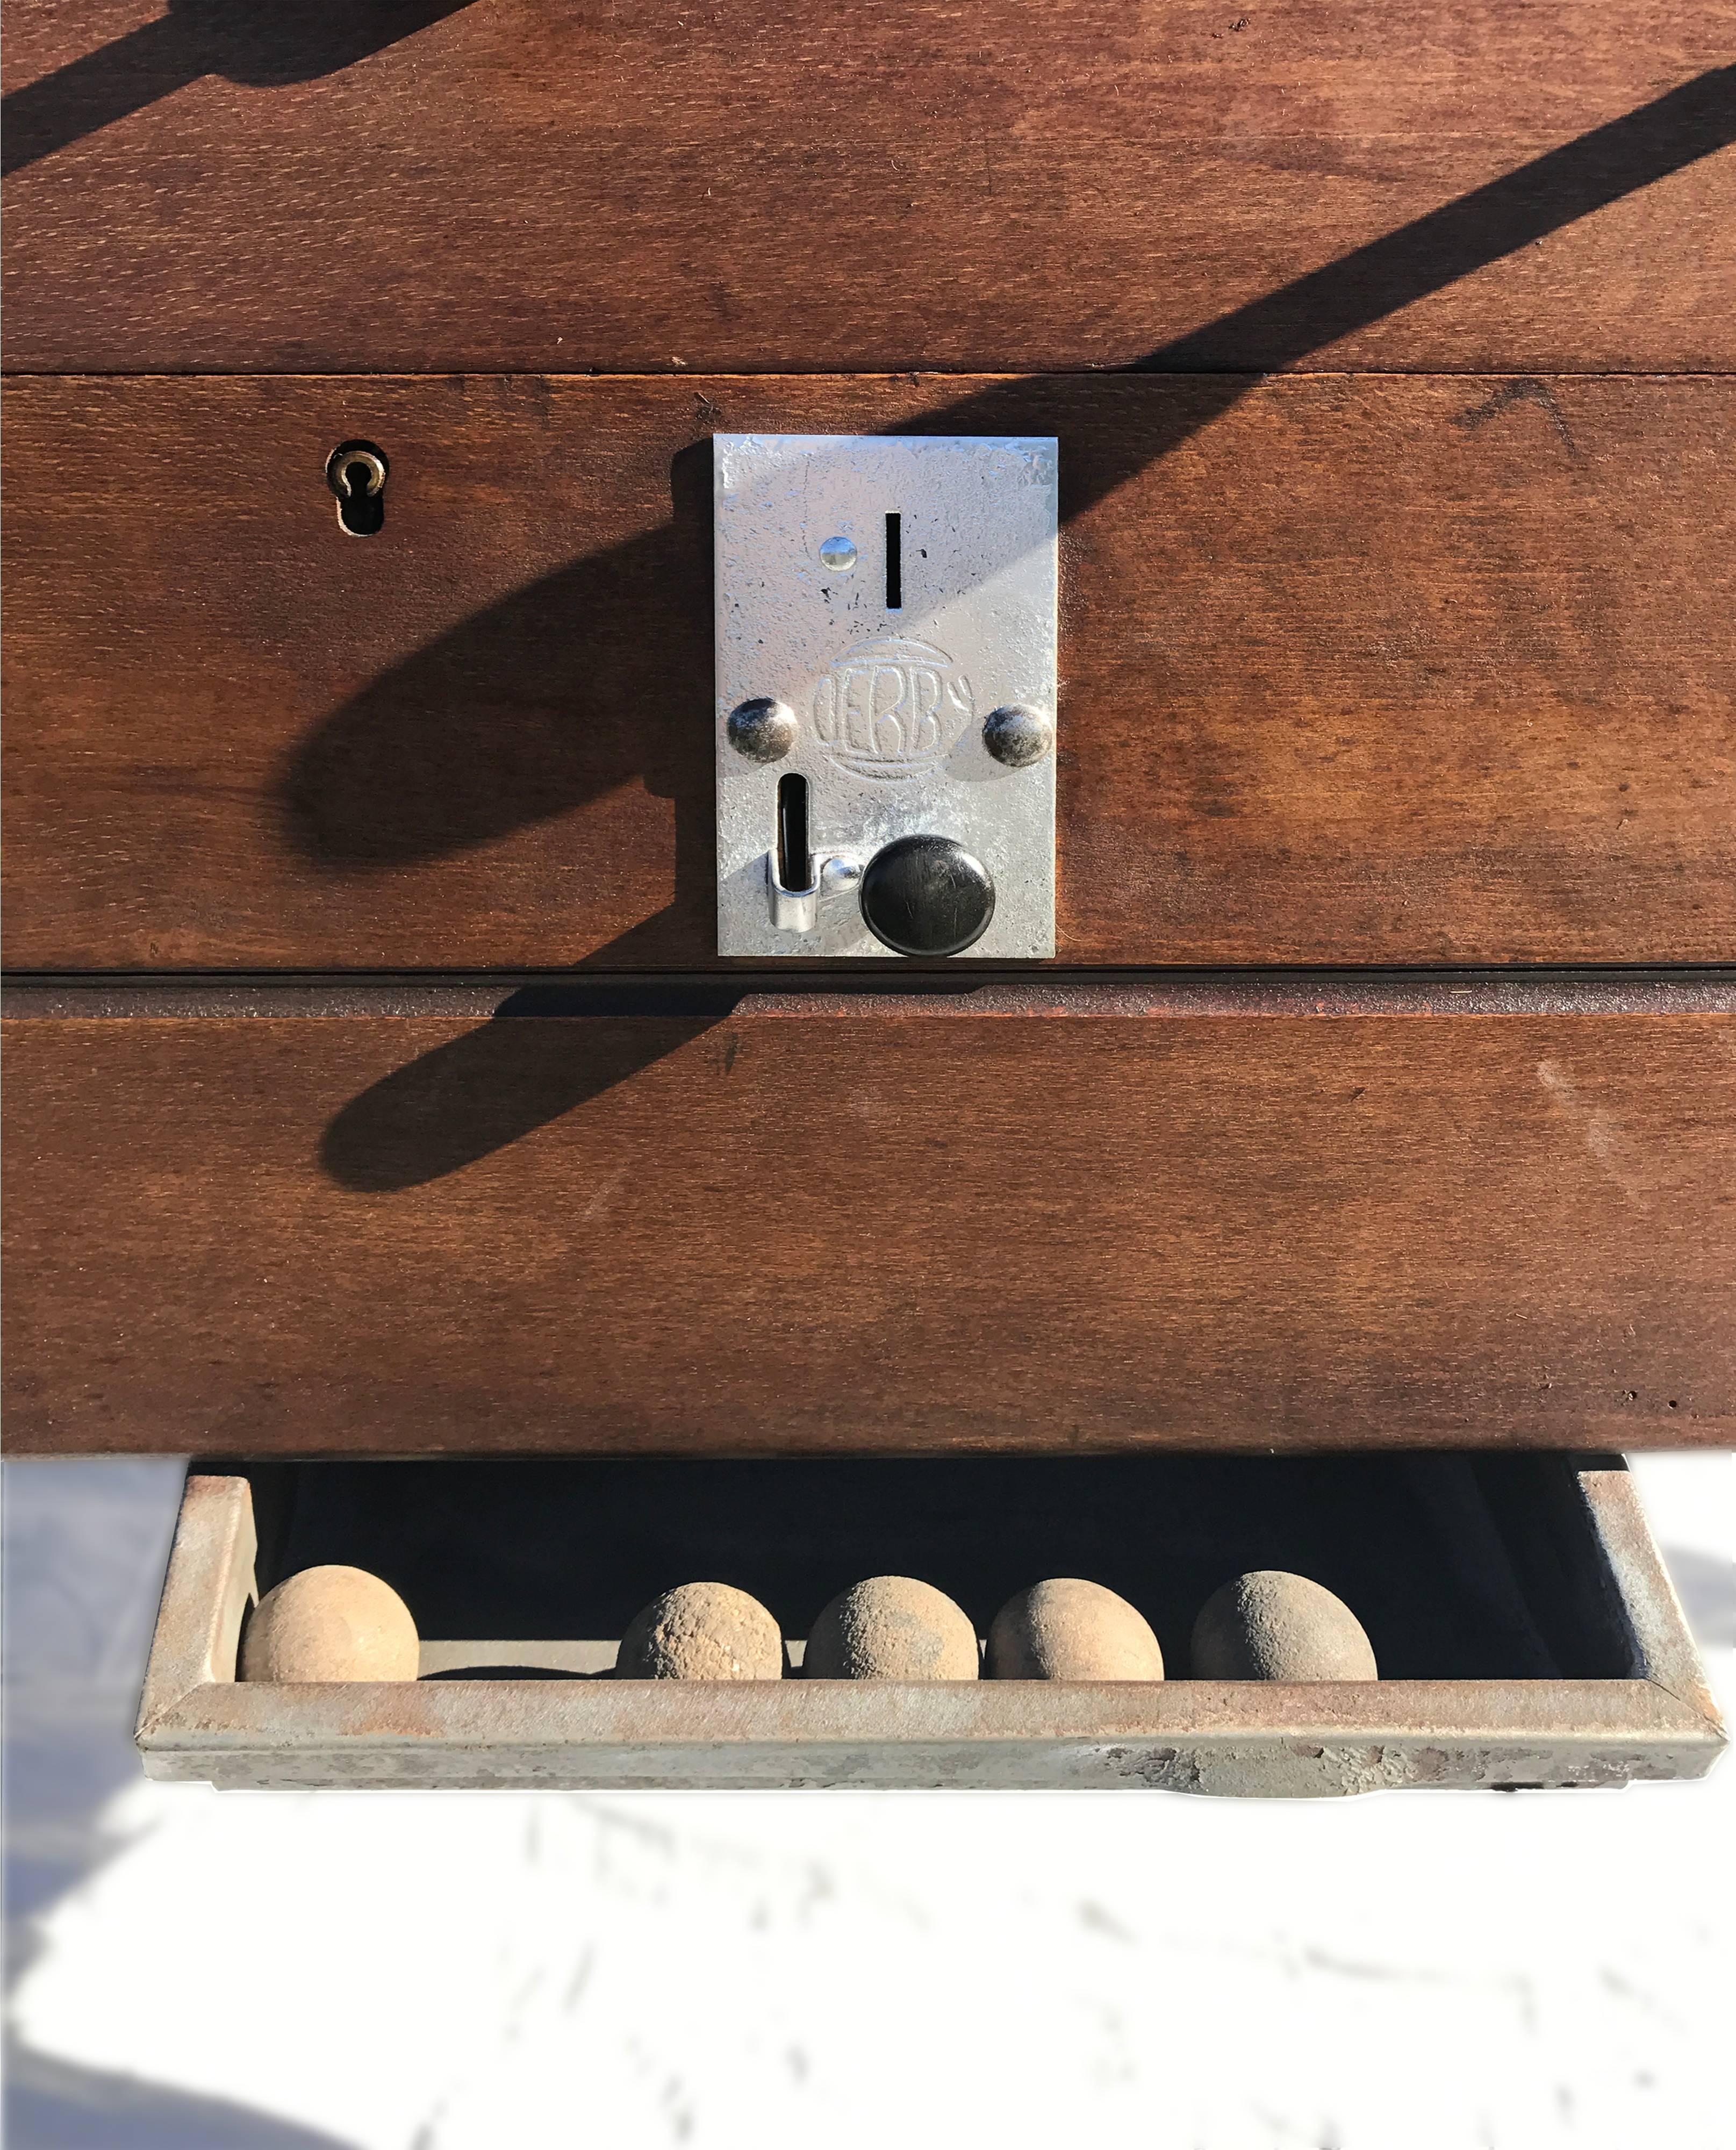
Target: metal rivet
x=762 y=730
x=1017 y=736
x=838 y=554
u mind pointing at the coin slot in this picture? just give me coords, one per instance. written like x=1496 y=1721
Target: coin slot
x=793 y=847
x=895 y=563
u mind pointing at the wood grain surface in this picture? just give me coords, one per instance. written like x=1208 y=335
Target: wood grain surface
x=1355 y=670
x=747 y=185
x=776 y=1232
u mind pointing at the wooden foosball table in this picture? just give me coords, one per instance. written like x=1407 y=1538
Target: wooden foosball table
x=922 y=820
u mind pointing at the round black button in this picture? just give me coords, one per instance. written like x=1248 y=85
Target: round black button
x=926 y=895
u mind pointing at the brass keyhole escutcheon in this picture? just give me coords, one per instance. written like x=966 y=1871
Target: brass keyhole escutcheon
x=356 y=472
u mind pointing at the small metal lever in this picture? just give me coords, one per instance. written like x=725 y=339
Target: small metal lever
x=797 y=910
x=793 y=909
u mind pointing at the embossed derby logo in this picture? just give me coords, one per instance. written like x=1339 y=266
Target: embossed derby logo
x=892 y=708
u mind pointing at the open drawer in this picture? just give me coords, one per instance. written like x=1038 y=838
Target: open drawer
x=1524 y=1628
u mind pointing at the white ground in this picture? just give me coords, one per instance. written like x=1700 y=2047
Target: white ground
x=499 y=1972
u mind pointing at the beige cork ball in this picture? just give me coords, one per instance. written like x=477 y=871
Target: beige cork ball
x=1068 y=1629
x=891 y=1627
x=331 y=1623
x=1271 y=1626
x=702 y=1631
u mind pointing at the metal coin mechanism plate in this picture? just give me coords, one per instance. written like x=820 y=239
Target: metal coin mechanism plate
x=892 y=592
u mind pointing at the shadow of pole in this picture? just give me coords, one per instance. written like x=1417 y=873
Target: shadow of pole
x=480 y=1091
x=56 y=2105
x=565 y=690
x=571 y=688
x=584 y=681
x=1686 y=124
x=85 y=1542
x=261 y=48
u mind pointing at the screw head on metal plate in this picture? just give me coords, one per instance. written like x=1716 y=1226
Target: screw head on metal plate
x=1017 y=736
x=762 y=728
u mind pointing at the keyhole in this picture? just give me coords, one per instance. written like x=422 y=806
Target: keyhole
x=356 y=473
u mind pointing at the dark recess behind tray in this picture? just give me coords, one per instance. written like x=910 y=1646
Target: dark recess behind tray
x=1459 y=1566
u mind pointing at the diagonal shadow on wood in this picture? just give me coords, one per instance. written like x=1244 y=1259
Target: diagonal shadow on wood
x=263 y=47
x=493 y=1085
x=556 y=695
x=552 y=697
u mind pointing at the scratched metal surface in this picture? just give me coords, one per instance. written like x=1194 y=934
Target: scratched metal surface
x=976 y=619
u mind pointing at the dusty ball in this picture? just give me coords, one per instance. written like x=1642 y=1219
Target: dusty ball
x=331 y=1623
x=702 y=1631
x=891 y=1627
x=1271 y=1626
x=1068 y=1629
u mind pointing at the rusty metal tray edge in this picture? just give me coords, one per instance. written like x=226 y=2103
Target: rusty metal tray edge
x=197 y=1723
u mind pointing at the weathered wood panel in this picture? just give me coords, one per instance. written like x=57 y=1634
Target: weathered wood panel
x=758 y=184
x=1355 y=670
x=787 y=1232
